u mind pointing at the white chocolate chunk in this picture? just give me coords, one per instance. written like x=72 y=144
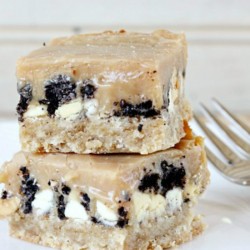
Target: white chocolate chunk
x=69 y=110
x=75 y=210
x=43 y=202
x=91 y=107
x=174 y=199
x=36 y=111
x=148 y=205
x=106 y=215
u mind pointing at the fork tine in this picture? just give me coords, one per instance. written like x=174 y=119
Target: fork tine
x=240 y=173
x=241 y=176
x=240 y=169
x=218 y=164
x=224 y=149
x=236 y=119
x=239 y=141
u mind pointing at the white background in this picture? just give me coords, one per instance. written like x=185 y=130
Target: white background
x=218 y=33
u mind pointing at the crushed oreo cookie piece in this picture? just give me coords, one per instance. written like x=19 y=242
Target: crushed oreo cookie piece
x=140 y=127
x=59 y=90
x=95 y=220
x=4 y=195
x=28 y=189
x=65 y=189
x=61 y=207
x=25 y=172
x=85 y=201
x=25 y=98
x=122 y=212
x=122 y=223
x=172 y=177
x=145 y=109
x=123 y=220
x=150 y=182
x=88 y=89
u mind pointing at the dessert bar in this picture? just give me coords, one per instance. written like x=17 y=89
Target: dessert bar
x=70 y=201
x=110 y=92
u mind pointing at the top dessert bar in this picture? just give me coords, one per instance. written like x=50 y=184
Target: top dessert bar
x=104 y=93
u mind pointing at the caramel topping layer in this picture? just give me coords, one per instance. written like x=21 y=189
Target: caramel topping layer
x=132 y=66
x=105 y=177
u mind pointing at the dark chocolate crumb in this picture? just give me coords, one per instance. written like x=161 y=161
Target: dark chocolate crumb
x=25 y=98
x=4 y=195
x=145 y=109
x=44 y=44
x=154 y=71
x=85 y=201
x=88 y=89
x=65 y=189
x=230 y=162
x=58 y=90
x=140 y=127
x=61 y=207
x=150 y=182
x=186 y=200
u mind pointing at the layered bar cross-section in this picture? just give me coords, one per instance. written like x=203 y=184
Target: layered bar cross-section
x=110 y=92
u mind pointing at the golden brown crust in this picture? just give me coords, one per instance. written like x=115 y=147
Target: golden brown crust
x=77 y=237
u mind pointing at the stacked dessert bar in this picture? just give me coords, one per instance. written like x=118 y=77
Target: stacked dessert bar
x=108 y=160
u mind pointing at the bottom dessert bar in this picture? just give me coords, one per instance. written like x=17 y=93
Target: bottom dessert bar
x=69 y=201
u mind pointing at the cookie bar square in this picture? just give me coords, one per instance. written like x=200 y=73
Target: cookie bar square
x=110 y=92
x=70 y=201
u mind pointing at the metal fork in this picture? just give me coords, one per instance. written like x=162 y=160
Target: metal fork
x=236 y=169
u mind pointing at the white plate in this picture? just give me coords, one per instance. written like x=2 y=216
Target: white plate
x=225 y=206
